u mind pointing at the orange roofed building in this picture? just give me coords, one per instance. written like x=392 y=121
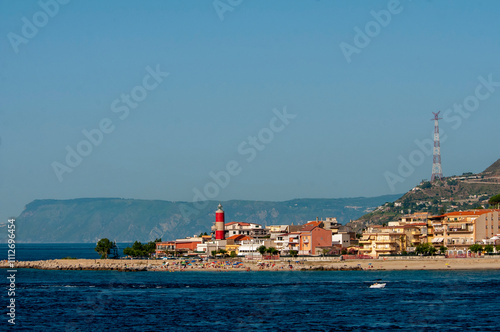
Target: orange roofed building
x=313 y=238
x=188 y=244
x=459 y=230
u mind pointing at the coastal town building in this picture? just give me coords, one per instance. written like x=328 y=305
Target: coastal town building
x=251 y=229
x=332 y=224
x=460 y=230
x=342 y=240
x=248 y=248
x=164 y=248
x=188 y=244
x=391 y=240
x=314 y=239
x=243 y=228
x=293 y=228
x=181 y=246
x=275 y=230
x=380 y=243
x=234 y=242
x=287 y=242
x=456 y=231
x=419 y=217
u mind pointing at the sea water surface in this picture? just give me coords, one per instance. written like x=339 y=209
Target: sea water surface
x=256 y=301
x=44 y=251
x=448 y=300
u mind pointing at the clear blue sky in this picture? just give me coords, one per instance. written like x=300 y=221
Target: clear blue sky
x=354 y=119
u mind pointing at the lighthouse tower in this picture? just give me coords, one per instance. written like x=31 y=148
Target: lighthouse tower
x=219 y=224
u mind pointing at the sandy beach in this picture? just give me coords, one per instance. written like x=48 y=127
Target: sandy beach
x=278 y=265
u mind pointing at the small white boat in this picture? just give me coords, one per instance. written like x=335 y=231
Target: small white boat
x=377 y=285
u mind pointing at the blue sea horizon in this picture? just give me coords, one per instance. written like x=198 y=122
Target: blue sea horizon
x=46 y=251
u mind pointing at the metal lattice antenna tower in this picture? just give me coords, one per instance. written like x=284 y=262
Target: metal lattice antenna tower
x=437 y=171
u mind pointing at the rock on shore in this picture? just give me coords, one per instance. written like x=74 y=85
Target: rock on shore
x=86 y=264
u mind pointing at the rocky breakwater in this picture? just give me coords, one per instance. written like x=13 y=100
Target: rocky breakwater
x=333 y=268
x=86 y=264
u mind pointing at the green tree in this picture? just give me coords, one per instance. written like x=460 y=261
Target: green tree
x=150 y=247
x=141 y=250
x=294 y=253
x=262 y=250
x=442 y=249
x=421 y=249
x=214 y=253
x=223 y=252
x=475 y=248
x=233 y=254
x=488 y=248
x=135 y=250
x=272 y=251
x=495 y=201
x=425 y=249
x=426 y=185
x=104 y=247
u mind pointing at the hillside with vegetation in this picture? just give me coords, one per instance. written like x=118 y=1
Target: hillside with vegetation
x=455 y=193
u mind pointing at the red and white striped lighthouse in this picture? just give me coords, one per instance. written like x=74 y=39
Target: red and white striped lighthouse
x=219 y=224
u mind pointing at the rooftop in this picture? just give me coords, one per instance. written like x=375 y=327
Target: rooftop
x=240 y=237
x=466 y=213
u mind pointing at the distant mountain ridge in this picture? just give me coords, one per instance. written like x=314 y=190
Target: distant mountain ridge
x=86 y=220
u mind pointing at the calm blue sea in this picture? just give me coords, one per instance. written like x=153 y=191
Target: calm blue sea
x=255 y=301
x=39 y=251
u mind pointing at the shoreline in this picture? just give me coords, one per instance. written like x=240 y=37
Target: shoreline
x=277 y=265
